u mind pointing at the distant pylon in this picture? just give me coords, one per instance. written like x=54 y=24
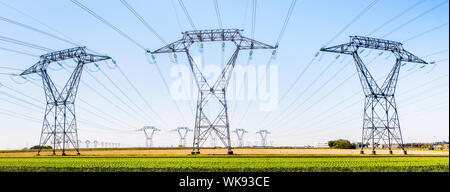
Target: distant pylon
x=214 y=93
x=95 y=143
x=59 y=126
x=149 y=131
x=240 y=135
x=380 y=122
x=182 y=133
x=263 y=134
x=87 y=143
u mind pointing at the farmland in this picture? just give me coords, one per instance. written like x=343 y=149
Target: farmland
x=116 y=162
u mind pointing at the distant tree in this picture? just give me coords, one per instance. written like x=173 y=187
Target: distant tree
x=341 y=144
x=331 y=144
x=43 y=147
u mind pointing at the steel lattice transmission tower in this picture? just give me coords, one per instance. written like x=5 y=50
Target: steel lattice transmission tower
x=219 y=122
x=149 y=131
x=263 y=134
x=381 y=121
x=240 y=135
x=182 y=132
x=59 y=126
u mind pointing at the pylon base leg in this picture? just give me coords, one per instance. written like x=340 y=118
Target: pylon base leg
x=361 y=152
x=78 y=153
x=405 y=153
x=390 y=152
x=230 y=152
x=374 y=152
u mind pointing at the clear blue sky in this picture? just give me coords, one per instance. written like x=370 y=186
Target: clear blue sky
x=422 y=94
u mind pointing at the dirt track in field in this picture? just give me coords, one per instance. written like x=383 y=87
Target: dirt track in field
x=236 y=151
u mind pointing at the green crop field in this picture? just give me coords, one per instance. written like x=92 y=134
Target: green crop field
x=220 y=164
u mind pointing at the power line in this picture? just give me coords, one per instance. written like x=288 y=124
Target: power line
x=125 y=95
x=36 y=20
x=160 y=73
x=186 y=13
x=142 y=97
x=283 y=29
x=245 y=14
x=36 y=30
x=360 y=100
x=176 y=15
x=395 y=17
x=50 y=50
x=388 y=34
x=219 y=19
x=415 y=18
x=354 y=94
x=352 y=21
x=26 y=44
x=314 y=58
x=35 y=100
x=20 y=52
x=120 y=32
x=129 y=7
x=107 y=23
x=425 y=32
x=253 y=18
x=307 y=88
x=286 y=21
x=167 y=88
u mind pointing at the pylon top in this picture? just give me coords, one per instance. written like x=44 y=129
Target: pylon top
x=357 y=42
x=263 y=131
x=77 y=52
x=233 y=35
x=240 y=129
x=182 y=128
x=148 y=127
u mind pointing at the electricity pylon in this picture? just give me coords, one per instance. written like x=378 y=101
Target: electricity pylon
x=218 y=122
x=149 y=131
x=182 y=132
x=59 y=117
x=240 y=135
x=263 y=134
x=95 y=143
x=87 y=143
x=381 y=121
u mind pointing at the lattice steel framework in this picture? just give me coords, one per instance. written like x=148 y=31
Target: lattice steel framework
x=263 y=134
x=219 y=122
x=59 y=126
x=381 y=123
x=240 y=135
x=149 y=131
x=182 y=132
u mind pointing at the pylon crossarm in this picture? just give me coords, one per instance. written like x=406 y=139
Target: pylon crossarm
x=246 y=43
x=177 y=46
x=408 y=57
x=233 y=35
x=72 y=53
x=213 y=35
x=341 y=49
x=374 y=43
x=357 y=42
